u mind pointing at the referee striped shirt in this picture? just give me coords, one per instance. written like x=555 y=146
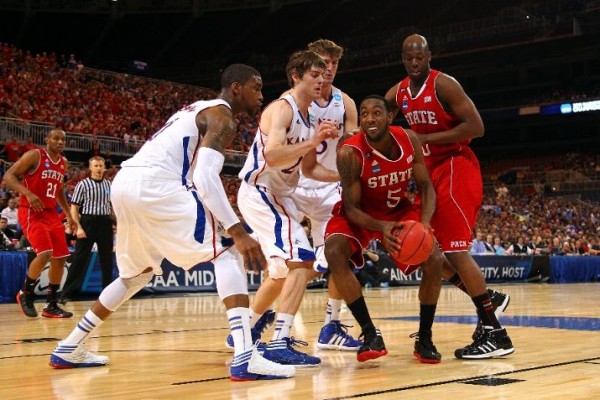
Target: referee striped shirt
x=92 y=197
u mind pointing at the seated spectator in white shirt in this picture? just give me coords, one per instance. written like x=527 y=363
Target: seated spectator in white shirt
x=519 y=248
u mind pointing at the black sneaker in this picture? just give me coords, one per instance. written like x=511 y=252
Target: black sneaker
x=500 y=302
x=373 y=346
x=52 y=310
x=425 y=350
x=26 y=303
x=492 y=343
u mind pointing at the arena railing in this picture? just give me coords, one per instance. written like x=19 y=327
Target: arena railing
x=37 y=131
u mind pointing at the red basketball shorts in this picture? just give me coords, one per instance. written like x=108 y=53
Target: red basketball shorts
x=459 y=190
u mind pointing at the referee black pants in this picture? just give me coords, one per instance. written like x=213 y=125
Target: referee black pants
x=99 y=230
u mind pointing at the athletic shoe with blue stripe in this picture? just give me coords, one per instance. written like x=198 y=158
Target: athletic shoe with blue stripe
x=335 y=336
x=263 y=323
x=282 y=351
x=251 y=366
x=75 y=356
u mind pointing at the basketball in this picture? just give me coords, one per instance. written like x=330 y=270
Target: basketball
x=416 y=243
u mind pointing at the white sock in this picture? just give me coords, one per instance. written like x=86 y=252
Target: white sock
x=239 y=321
x=86 y=326
x=334 y=306
x=254 y=317
x=283 y=325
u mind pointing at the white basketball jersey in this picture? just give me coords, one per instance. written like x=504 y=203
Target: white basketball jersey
x=174 y=147
x=334 y=111
x=280 y=180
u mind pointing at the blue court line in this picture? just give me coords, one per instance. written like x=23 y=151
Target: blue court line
x=570 y=323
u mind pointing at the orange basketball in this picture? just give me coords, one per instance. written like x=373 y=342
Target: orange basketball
x=416 y=243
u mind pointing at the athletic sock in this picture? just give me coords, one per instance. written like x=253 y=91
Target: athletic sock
x=239 y=322
x=334 y=307
x=85 y=327
x=485 y=311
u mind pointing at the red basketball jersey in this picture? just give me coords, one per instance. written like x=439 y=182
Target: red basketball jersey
x=425 y=114
x=45 y=181
x=384 y=182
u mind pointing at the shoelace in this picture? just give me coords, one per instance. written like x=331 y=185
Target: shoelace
x=296 y=342
x=345 y=327
x=362 y=336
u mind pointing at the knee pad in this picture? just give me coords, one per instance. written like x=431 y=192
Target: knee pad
x=278 y=269
x=230 y=274
x=121 y=290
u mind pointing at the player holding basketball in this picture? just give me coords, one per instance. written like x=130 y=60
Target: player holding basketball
x=375 y=166
x=39 y=175
x=445 y=120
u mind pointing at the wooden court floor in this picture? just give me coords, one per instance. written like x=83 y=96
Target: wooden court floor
x=173 y=348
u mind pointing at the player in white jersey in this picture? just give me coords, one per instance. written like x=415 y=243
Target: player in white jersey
x=315 y=199
x=173 y=182
x=285 y=142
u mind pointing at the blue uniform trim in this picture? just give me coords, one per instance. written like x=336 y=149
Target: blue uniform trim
x=278 y=220
x=199 y=229
x=255 y=165
x=186 y=161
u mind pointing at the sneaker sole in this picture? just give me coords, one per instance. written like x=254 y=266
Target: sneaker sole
x=58 y=363
x=323 y=346
x=47 y=315
x=495 y=353
x=426 y=360
x=370 y=355
x=255 y=377
x=22 y=310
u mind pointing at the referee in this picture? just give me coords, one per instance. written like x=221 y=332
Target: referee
x=91 y=211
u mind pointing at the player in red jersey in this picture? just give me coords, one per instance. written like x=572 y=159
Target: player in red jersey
x=38 y=176
x=445 y=120
x=376 y=166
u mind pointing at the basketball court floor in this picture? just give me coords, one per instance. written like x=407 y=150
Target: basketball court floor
x=174 y=348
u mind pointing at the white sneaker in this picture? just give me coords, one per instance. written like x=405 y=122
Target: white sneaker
x=251 y=366
x=75 y=356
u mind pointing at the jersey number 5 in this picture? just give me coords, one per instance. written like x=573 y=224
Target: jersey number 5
x=394 y=198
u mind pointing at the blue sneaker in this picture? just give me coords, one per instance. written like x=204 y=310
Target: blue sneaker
x=263 y=323
x=335 y=336
x=251 y=366
x=282 y=351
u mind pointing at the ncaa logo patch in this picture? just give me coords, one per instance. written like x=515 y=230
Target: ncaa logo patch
x=375 y=167
x=337 y=97
x=404 y=104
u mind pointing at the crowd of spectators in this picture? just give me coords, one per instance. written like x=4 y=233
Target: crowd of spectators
x=536 y=224
x=60 y=91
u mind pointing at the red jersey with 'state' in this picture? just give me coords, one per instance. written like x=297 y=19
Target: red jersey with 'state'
x=45 y=181
x=425 y=114
x=384 y=182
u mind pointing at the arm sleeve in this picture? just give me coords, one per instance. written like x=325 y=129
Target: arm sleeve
x=210 y=188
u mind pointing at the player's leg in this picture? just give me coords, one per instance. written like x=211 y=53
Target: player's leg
x=334 y=334
x=338 y=250
x=429 y=292
x=457 y=206
x=232 y=286
x=60 y=252
x=281 y=347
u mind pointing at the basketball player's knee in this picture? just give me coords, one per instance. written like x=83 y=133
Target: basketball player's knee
x=121 y=290
x=230 y=275
x=333 y=253
x=278 y=268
